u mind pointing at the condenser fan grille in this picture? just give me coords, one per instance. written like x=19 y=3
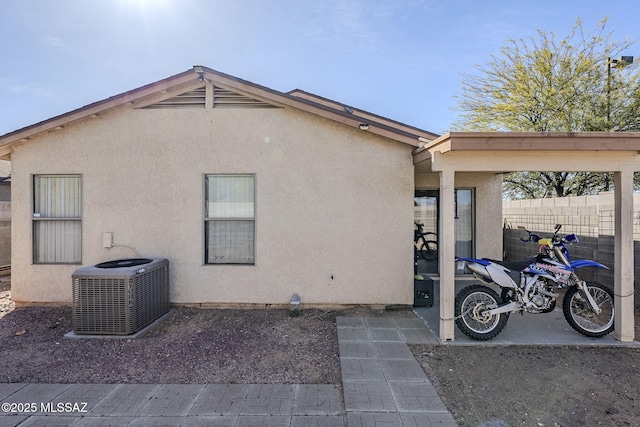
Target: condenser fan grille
x=119 y=301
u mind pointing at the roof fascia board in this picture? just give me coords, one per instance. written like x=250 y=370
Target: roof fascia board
x=525 y=160
x=246 y=91
x=533 y=142
x=5 y=153
x=270 y=95
x=550 y=141
x=298 y=93
x=138 y=97
x=168 y=93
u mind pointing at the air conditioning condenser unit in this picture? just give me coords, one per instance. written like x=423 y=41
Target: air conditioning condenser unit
x=120 y=297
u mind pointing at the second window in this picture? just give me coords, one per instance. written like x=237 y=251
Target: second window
x=229 y=223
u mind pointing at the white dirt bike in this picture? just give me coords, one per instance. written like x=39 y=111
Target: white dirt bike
x=531 y=286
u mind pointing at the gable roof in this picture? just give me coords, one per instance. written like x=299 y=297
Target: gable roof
x=192 y=80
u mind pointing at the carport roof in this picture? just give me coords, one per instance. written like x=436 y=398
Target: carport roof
x=510 y=152
x=514 y=151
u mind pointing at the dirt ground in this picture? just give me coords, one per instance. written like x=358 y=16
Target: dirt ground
x=481 y=386
x=536 y=386
x=190 y=346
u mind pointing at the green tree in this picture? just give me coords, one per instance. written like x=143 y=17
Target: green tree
x=546 y=84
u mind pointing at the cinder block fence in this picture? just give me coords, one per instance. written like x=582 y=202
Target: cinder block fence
x=591 y=218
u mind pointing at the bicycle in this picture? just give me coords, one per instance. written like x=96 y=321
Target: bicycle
x=426 y=243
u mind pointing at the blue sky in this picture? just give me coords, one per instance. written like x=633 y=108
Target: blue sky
x=402 y=59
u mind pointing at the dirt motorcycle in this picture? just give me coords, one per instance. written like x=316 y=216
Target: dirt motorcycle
x=531 y=286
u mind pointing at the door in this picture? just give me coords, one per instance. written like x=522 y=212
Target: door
x=425 y=212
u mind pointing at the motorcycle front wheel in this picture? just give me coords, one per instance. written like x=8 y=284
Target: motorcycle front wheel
x=472 y=303
x=578 y=313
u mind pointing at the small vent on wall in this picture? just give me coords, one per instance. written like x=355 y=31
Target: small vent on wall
x=226 y=98
x=192 y=99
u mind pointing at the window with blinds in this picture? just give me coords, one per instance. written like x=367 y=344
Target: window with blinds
x=57 y=219
x=230 y=219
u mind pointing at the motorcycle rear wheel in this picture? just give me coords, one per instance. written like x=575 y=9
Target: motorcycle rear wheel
x=471 y=304
x=578 y=313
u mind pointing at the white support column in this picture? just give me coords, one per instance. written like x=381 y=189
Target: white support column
x=446 y=249
x=623 y=256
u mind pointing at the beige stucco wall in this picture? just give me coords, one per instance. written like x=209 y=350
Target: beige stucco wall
x=331 y=201
x=488 y=212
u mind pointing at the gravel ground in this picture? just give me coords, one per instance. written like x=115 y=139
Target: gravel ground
x=481 y=386
x=190 y=346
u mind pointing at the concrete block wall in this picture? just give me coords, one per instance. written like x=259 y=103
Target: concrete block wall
x=595 y=248
x=590 y=217
x=584 y=215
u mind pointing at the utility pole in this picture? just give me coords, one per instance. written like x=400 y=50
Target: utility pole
x=617 y=63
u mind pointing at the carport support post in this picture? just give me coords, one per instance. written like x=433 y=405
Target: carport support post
x=623 y=256
x=446 y=249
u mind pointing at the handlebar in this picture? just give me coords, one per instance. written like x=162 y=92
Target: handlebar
x=555 y=239
x=532 y=237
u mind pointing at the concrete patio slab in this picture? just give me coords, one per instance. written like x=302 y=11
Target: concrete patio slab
x=550 y=329
x=428 y=419
x=350 y=333
x=90 y=394
x=220 y=399
x=269 y=399
x=361 y=370
x=317 y=421
x=213 y=421
x=7 y=389
x=385 y=334
x=48 y=421
x=368 y=396
x=37 y=393
x=394 y=419
x=357 y=349
x=263 y=421
x=125 y=400
x=415 y=397
x=12 y=419
x=418 y=336
x=380 y=322
x=317 y=399
x=152 y=421
x=180 y=404
x=403 y=396
x=402 y=370
x=408 y=323
x=391 y=350
x=104 y=421
x=172 y=400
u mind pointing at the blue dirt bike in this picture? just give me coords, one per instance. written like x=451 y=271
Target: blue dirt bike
x=531 y=286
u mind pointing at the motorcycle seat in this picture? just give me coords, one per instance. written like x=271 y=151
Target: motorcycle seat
x=514 y=267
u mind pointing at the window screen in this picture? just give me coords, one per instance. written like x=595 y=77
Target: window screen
x=230 y=219
x=57 y=219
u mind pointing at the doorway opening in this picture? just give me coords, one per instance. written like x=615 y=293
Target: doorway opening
x=425 y=212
